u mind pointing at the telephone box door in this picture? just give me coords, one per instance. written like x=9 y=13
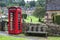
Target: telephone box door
x=11 y=22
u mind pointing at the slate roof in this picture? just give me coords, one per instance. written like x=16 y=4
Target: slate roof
x=52 y=4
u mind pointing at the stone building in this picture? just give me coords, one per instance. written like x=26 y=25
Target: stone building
x=52 y=6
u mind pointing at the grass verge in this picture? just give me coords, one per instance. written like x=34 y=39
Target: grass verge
x=53 y=38
x=11 y=38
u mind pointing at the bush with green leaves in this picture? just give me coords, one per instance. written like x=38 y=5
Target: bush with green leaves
x=24 y=16
x=57 y=19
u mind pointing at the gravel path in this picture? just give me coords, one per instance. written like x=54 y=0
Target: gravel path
x=4 y=33
x=28 y=37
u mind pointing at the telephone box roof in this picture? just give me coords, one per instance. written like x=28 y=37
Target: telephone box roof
x=16 y=7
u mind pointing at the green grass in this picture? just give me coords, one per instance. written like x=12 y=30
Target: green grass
x=11 y=38
x=53 y=38
x=14 y=38
x=34 y=19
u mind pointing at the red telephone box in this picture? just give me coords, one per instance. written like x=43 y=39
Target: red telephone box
x=15 y=20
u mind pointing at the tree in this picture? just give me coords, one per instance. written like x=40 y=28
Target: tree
x=22 y=3
x=12 y=3
x=32 y=3
x=2 y=4
x=39 y=12
x=27 y=5
x=41 y=3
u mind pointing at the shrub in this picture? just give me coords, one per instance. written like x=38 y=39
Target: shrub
x=24 y=16
x=57 y=19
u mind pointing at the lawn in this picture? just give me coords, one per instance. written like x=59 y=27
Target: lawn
x=34 y=19
x=14 y=38
x=11 y=38
x=53 y=38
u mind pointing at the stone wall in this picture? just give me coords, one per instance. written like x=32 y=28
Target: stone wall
x=36 y=27
x=52 y=29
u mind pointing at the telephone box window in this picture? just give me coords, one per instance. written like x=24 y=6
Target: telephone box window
x=11 y=20
x=19 y=20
